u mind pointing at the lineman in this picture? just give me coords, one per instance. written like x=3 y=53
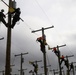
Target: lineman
x=16 y=16
x=71 y=66
x=67 y=63
x=31 y=72
x=40 y=39
x=42 y=45
x=56 y=51
x=35 y=67
x=62 y=59
x=2 y=16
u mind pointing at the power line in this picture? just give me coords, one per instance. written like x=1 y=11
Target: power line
x=43 y=11
x=30 y=28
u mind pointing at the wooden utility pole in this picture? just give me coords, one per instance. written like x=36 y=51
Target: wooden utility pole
x=73 y=68
x=72 y=63
x=47 y=68
x=54 y=70
x=59 y=61
x=11 y=68
x=36 y=63
x=23 y=71
x=44 y=53
x=68 y=73
x=58 y=55
x=8 y=46
x=15 y=74
x=2 y=72
x=22 y=60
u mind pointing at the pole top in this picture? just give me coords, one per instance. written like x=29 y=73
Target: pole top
x=42 y=29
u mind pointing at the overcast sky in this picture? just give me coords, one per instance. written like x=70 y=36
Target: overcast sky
x=37 y=14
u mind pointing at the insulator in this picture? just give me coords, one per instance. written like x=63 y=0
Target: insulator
x=22 y=60
x=14 y=4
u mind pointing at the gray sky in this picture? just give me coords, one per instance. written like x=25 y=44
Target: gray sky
x=37 y=14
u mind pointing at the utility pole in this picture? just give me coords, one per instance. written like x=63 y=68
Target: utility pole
x=11 y=68
x=2 y=72
x=23 y=71
x=15 y=74
x=58 y=55
x=68 y=73
x=22 y=60
x=36 y=63
x=72 y=67
x=41 y=74
x=63 y=73
x=8 y=46
x=47 y=68
x=54 y=70
x=44 y=54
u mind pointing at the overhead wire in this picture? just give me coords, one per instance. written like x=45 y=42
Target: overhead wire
x=43 y=11
x=30 y=28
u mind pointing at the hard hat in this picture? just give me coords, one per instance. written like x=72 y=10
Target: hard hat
x=2 y=10
x=18 y=8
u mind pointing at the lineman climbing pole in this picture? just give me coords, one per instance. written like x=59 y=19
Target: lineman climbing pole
x=35 y=65
x=36 y=62
x=44 y=53
x=22 y=60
